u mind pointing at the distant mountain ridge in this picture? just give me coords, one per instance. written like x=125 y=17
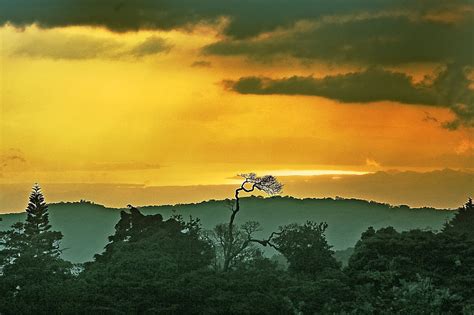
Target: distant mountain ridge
x=445 y=188
x=86 y=225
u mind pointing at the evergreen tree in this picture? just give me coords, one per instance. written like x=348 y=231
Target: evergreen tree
x=37 y=219
x=31 y=269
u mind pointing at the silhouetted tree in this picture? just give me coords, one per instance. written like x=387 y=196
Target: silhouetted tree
x=140 y=267
x=37 y=218
x=268 y=184
x=463 y=221
x=306 y=249
x=242 y=247
x=31 y=267
x=386 y=259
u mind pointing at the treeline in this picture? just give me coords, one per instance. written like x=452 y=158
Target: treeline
x=157 y=266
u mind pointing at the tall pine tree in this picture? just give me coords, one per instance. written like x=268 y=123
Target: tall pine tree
x=32 y=272
x=40 y=240
x=37 y=220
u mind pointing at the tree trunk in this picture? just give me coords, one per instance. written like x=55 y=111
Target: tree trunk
x=228 y=251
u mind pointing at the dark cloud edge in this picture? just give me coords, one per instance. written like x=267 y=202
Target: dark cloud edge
x=246 y=18
x=449 y=89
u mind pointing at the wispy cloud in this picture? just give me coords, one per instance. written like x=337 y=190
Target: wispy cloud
x=12 y=159
x=201 y=63
x=82 y=47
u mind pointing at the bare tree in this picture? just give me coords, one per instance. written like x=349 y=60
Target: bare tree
x=240 y=249
x=234 y=243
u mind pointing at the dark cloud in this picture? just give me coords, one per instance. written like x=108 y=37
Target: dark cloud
x=449 y=89
x=368 y=86
x=378 y=40
x=454 y=88
x=151 y=46
x=369 y=33
x=363 y=31
x=247 y=17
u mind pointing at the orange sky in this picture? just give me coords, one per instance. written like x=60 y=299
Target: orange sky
x=83 y=104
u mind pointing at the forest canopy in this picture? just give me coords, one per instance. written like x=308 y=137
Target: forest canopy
x=153 y=265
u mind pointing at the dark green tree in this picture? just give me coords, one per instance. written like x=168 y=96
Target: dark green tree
x=32 y=271
x=254 y=286
x=142 y=265
x=37 y=218
x=463 y=221
x=421 y=297
x=306 y=248
x=384 y=260
x=317 y=285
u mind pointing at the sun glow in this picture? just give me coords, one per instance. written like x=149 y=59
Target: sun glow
x=315 y=172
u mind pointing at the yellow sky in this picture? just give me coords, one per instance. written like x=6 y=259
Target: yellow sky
x=105 y=115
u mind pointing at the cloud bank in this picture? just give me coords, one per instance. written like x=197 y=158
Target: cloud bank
x=449 y=89
x=371 y=34
x=246 y=18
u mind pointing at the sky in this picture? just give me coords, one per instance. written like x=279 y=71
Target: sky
x=178 y=93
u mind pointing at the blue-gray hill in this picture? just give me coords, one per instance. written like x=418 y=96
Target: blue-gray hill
x=86 y=225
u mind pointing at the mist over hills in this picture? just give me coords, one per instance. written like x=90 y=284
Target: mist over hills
x=446 y=188
x=86 y=225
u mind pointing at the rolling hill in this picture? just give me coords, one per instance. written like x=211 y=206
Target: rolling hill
x=86 y=225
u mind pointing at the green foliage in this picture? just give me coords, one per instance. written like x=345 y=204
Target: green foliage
x=253 y=287
x=31 y=270
x=86 y=226
x=421 y=297
x=329 y=293
x=306 y=248
x=463 y=221
x=157 y=266
x=37 y=219
x=384 y=260
x=142 y=263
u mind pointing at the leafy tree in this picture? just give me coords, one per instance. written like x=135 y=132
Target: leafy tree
x=142 y=264
x=329 y=293
x=385 y=259
x=421 y=297
x=463 y=221
x=255 y=286
x=306 y=248
x=32 y=271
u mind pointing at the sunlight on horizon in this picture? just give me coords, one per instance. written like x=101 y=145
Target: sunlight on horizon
x=315 y=172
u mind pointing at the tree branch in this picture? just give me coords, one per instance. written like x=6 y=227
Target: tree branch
x=268 y=241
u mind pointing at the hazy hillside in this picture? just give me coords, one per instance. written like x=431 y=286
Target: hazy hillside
x=86 y=226
x=445 y=188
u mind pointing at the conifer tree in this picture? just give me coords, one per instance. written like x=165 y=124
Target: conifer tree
x=29 y=261
x=37 y=220
x=39 y=238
